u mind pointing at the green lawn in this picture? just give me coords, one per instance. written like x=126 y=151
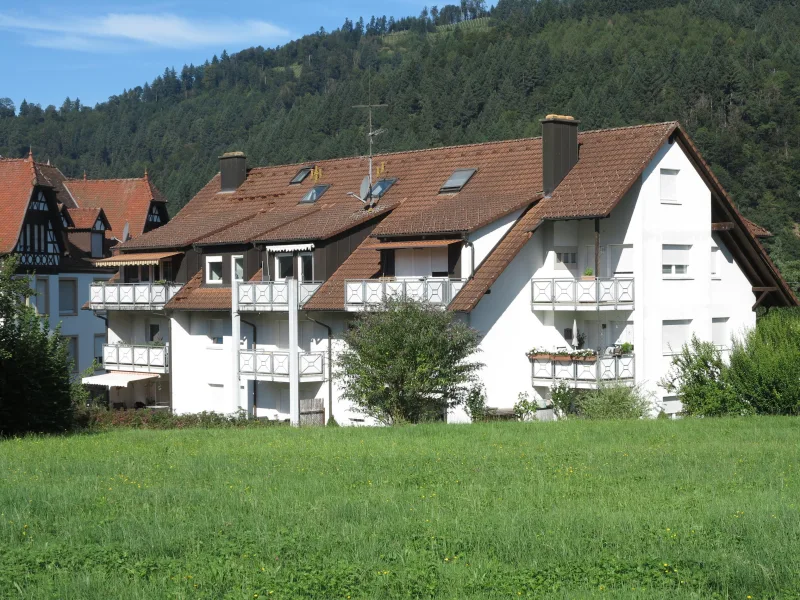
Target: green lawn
x=656 y=509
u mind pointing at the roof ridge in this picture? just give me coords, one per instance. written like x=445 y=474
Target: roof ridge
x=81 y=180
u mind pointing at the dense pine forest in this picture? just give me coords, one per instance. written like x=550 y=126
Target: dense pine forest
x=729 y=70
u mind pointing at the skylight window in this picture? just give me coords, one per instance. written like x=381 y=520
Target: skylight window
x=314 y=193
x=457 y=180
x=381 y=187
x=301 y=175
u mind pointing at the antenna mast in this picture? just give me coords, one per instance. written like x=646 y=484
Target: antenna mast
x=372 y=132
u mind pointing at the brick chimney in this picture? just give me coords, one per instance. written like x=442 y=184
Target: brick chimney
x=233 y=169
x=559 y=149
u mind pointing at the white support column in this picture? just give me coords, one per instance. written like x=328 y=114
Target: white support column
x=294 y=359
x=236 y=343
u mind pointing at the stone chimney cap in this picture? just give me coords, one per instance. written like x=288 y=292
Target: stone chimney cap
x=560 y=119
x=233 y=155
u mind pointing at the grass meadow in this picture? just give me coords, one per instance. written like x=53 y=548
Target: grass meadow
x=656 y=509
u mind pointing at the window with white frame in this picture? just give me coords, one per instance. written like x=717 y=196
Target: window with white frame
x=306 y=267
x=669 y=186
x=621 y=257
x=214 y=269
x=42 y=299
x=215 y=332
x=714 y=262
x=237 y=267
x=566 y=258
x=675 y=260
x=284 y=266
x=674 y=334
x=719 y=332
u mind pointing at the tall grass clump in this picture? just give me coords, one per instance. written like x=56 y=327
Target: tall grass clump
x=764 y=368
x=615 y=401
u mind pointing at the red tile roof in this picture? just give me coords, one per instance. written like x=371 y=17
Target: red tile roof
x=18 y=178
x=363 y=263
x=756 y=230
x=85 y=218
x=195 y=296
x=122 y=200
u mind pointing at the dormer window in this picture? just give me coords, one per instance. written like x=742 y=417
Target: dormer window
x=381 y=187
x=214 y=270
x=39 y=203
x=301 y=175
x=314 y=194
x=457 y=181
x=99 y=226
x=154 y=216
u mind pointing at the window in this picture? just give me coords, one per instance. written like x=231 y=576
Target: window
x=131 y=273
x=97 y=245
x=669 y=186
x=301 y=175
x=215 y=330
x=214 y=269
x=381 y=186
x=72 y=352
x=719 y=332
x=42 y=299
x=566 y=258
x=67 y=297
x=284 y=266
x=153 y=215
x=98 y=225
x=39 y=203
x=674 y=334
x=166 y=270
x=457 y=180
x=714 y=262
x=314 y=194
x=237 y=268
x=306 y=267
x=621 y=257
x=154 y=332
x=671 y=405
x=99 y=342
x=675 y=260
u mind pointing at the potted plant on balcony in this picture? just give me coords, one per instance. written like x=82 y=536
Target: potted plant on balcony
x=588 y=274
x=625 y=349
x=587 y=355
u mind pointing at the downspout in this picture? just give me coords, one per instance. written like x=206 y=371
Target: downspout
x=330 y=366
x=255 y=381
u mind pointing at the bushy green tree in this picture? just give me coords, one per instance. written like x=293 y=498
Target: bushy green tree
x=763 y=370
x=699 y=377
x=34 y=363
x=408 y=362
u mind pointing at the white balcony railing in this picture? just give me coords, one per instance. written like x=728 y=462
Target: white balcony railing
x=360 y=293
x=575 y=294
x=274 y=365
x=132 y=357
x=581 y=372
x=132 y=296
x=272 y=295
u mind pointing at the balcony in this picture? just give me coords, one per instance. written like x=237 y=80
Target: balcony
x=132 y=296
x=273 y=365
x=614 y=293
x=267 y=296
x=585 y=373
x=136 y=358
x=363 y=293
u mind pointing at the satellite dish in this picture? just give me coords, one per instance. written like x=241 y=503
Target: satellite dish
x=125 y=232
x=364 y=191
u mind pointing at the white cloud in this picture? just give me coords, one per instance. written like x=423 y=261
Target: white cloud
x=117 y=31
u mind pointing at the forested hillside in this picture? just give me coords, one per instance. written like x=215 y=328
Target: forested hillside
x=727 y=69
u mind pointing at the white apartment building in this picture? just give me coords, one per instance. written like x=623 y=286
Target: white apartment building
x=580 y=258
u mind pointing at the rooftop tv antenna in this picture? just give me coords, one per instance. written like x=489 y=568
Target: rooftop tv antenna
x=366 y=192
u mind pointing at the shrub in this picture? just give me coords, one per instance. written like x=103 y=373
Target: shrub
x=407 y=361
x=475 y=404
x=614 y=401
x=565 y=400
x=763 y=364
x=525 y=408
x=101 y=419
x=699 y=377
x=35 y=370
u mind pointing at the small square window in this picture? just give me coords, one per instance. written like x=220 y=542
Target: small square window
x=457 y=180
x=214 y=269
x=301 y=175
x=314 y=194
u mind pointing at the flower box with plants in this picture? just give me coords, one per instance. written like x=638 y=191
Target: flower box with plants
x=563 y=355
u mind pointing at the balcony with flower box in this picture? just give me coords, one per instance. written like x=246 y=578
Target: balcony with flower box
x=364 y=293
x=590 y=293
x=585 y=369
x=266 y=296
x=273 y=365
x=144 y=358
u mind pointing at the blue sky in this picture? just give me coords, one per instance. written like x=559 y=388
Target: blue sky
x=92 y=49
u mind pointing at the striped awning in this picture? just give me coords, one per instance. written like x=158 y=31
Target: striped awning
x=142 y=258
x=290 y=248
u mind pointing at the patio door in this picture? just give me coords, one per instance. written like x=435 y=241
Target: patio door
x=589 y=261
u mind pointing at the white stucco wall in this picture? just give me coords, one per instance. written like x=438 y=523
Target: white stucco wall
x=483 y=240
